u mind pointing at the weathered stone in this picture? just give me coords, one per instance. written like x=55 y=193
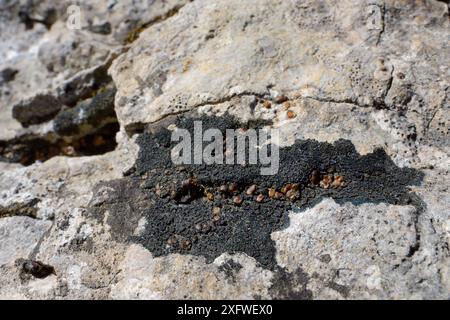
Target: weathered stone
x=20 y=236
x=360 y=87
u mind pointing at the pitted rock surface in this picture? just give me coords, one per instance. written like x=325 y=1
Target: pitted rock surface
x=359 y=91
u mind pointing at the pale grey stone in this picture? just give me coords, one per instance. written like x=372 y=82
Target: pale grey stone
x=20 y=236
x=374 y=72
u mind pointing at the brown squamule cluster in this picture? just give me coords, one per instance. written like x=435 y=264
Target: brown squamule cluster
x=191 y=189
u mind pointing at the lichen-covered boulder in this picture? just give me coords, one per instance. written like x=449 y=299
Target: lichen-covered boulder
x=93 y=207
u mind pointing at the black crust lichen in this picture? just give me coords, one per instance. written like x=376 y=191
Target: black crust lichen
x=181 y=219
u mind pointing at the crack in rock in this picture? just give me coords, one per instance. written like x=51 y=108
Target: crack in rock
x=89 y=128
x=27 y=209
x=134 y=34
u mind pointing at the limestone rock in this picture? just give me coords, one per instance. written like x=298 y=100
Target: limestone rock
x=86 y=116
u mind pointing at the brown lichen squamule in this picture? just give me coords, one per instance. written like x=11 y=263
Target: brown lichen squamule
x=190 y=190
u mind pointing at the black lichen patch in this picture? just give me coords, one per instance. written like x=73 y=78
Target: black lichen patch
x=211 y=209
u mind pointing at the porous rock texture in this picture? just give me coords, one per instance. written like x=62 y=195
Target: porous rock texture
x=357 y=88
